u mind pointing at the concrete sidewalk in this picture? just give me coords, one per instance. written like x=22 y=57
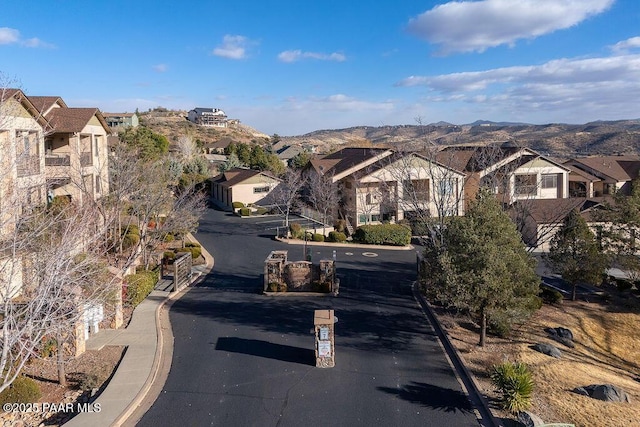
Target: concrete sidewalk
x=139 y=366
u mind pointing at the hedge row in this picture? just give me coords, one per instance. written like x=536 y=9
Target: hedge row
x=140 y=285
x=383 y=234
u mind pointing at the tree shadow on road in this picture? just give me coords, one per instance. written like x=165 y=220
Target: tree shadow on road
x=432 y=396
x=266 y=349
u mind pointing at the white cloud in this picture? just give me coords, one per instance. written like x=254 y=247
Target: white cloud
x=233 y=47
x=296 y=55
x=626 y=45
x=9 y=35
x=605 y=87
x=160 y=68
x=12 y=36
x=469 y=26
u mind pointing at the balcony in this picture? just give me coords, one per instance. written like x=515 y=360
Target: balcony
x=28 y=165
x=57 y=161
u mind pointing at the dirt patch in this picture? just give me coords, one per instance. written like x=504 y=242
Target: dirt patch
x=607 y=351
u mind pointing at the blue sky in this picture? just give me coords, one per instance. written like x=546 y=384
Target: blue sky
x=292 y=67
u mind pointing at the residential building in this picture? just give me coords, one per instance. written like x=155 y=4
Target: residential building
x=208 y=117
x=378 y=184
x=602 y=176
x=514 y=173
x=76 y=152
x=22 y=182
x=242 y=185
x=121 y=119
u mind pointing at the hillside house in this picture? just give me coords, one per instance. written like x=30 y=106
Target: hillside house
x=208 y=117
x=121 y=119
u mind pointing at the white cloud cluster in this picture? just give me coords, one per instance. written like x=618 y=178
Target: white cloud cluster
x=626 y=45
x=469 y=26
x=297 y=55
x=12 y=36
x=233 y=47
x=597 y=87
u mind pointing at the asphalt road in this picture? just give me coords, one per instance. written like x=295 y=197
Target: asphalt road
x=244 y=359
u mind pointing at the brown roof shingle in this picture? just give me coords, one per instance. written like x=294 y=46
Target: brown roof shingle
x=70 y=119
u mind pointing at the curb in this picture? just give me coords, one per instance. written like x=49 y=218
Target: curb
x=477 y=399
x=126 y=418
x=345 y=245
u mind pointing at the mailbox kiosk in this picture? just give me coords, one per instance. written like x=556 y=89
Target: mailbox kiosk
x=324 y=321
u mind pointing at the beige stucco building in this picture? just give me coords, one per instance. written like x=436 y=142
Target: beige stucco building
x=242 y=185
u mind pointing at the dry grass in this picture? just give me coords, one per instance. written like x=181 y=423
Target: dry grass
x=607 y=351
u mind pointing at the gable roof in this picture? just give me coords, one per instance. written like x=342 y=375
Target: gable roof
x=25 y=101
x=236 y=176
x=221 y=143
x=45 y=103
x=348 y=160
x=553 y=211
x=68 y=120
x=617 y=168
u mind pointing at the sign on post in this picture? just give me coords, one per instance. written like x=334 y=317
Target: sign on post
x=324 y=321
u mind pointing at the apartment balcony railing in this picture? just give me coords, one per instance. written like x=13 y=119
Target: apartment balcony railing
x=57 y=161
x=28 y=165
x=86 y=159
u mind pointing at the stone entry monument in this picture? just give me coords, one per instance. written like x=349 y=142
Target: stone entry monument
x=323 y=321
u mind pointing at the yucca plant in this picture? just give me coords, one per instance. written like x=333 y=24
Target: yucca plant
x=515 y=384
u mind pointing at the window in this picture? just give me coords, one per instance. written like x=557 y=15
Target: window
x=549 y=181
x=257 y=190
x=96 y=144
x=372 y=198
x=362 y=219
x=375 y=218
x=445 y=187
x=98 y=184
x=526 y=185
x=416 y=189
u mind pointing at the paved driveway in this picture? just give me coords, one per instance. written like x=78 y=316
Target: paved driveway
x=243 y=359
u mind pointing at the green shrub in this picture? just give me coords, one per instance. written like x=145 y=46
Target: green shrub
x=383 y=234
x=140 y=285
x=273 y=287
x=194 y=248
x=337 y=236
x=261 y=210
x=515 y=384
x=237 y=205
x=282 y=287
x=245 y=211
x=295 y=228
x=169 y=237
x=169 y=256
x=499 y=325
x=22 y=390
x=48 y=347
x=131 y=229
x=550 y=295
x=317 y=237
x=340 y=225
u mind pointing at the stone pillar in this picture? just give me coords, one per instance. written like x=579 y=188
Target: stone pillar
x=323 y=321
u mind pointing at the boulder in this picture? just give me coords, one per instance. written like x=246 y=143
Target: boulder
x=606 y=392
x=562 y=335
x=548 y=349
x=529 y=419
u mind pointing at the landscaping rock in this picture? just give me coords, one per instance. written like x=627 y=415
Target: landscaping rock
x=529 y=419
x=562 y=335
x=605 y=392
x=548 y=349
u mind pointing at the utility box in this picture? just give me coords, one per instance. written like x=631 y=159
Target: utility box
x=324 y=321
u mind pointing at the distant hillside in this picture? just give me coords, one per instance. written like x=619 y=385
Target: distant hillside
x=555 y=139
x=173 y=125
x=558 y=140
